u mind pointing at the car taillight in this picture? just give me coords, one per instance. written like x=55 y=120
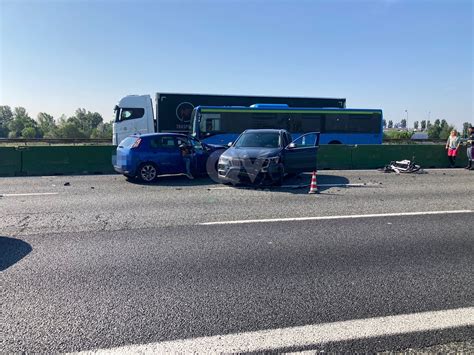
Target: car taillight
x=137 y=143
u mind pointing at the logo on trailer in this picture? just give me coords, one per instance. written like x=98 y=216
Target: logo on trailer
x=184 y=111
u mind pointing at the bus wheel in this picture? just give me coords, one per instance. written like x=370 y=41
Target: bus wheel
x=147 y=172
x=335 y=142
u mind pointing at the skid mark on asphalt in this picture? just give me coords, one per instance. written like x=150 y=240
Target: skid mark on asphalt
x=306 y=336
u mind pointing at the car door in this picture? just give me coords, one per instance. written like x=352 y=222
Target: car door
x=301 y=154
x=200 y=155
x=182 y=140
x=165 y=153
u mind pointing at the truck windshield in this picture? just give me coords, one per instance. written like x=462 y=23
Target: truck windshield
x=259 y=139
x=126 y=113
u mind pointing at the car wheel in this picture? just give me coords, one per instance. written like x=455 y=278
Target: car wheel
x=279 y=180
x=147 y=172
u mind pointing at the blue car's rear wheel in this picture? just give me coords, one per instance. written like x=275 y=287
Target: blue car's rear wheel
x=147 y=172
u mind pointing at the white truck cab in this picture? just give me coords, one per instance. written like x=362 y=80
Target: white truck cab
x=133 y=115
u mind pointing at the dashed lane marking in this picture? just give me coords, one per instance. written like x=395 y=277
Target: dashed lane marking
x=29 y=194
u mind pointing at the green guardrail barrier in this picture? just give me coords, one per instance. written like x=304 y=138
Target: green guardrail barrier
x=67 y=160
x=55 y=160
x=10 y=161
x=334 y=157
x=428 y=156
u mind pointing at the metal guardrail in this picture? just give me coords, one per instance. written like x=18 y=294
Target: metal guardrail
x=51 y=141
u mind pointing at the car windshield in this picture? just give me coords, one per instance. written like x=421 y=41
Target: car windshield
x=259 y=139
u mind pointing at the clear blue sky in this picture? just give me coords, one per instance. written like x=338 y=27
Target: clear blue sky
x=396 y=55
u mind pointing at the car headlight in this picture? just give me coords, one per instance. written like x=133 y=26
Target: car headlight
x=270 y=161
x=224 y=161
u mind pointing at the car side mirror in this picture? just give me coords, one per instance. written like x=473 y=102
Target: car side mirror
x=229 y=144
x=291 y=145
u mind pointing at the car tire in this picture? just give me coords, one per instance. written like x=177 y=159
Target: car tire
x=279 y=180
x=147 y=172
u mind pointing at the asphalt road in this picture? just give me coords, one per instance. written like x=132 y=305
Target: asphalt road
x=103 y=263
x=92 y=203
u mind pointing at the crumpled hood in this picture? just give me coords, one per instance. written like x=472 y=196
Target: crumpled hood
x=251 y=153
x=216 y=146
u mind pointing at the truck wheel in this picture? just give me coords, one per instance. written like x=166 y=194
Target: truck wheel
x=147 y=172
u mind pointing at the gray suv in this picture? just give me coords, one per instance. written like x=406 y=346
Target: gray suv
x=265 y=156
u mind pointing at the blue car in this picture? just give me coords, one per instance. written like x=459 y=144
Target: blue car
x=265 y=156
x=149 y=155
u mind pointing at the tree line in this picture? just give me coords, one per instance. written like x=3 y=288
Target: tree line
x=440 y=129
x=83 y=124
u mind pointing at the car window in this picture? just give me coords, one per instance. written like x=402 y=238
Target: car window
x=182 y=140
x=306 y=140
x=196 y=144
x=163 y=142
x=287 y=138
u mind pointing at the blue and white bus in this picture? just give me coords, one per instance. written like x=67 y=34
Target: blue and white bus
x=223 y=124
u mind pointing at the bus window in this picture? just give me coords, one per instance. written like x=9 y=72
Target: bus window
x=353 y=123
x=365 y=123
x=337 y=122
x=262 y=121
x=210 y=123
x=311 y=123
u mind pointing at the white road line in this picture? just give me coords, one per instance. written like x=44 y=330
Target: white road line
x=322 y=218
x=303 y=336
x=299 y=186
x=347 y=185
x=29 y=194
x=332 y=185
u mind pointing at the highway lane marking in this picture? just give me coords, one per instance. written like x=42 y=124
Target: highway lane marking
x=322 y=218
x=304 y=336
x=332 y=185
x=29 y=194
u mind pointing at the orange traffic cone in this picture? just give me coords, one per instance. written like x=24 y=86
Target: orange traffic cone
x=313 y=188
